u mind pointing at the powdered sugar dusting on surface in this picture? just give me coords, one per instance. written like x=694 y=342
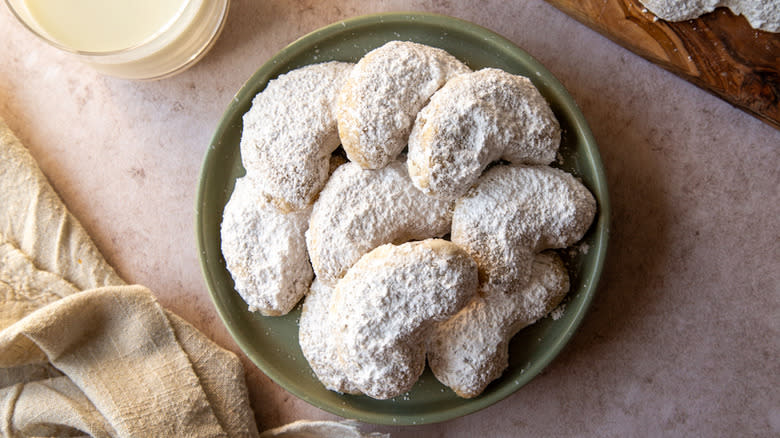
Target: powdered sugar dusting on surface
x=557 y=313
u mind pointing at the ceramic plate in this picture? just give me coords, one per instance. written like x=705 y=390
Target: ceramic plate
x=271 y=342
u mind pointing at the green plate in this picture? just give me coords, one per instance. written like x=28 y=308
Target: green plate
x=271 y=342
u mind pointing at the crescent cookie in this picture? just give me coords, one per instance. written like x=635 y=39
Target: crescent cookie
x=513 y=213
x=265 y=250
x=471 y=349
x=383 y=94
x=475 y=119
x=360 y=209
x=317 y=342
x=761 y=14
x=385 y=306
x=290 y=132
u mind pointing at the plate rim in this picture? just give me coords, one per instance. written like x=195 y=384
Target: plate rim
x=601 y=225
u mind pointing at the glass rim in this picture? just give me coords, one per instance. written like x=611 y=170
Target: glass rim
x=168 y=25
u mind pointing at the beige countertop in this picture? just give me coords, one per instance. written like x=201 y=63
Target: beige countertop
x=684 y=335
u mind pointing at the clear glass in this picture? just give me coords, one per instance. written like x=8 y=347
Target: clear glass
x=176 y=46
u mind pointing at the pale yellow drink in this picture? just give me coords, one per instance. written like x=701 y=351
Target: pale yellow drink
x=103 y=25
x=135 y=39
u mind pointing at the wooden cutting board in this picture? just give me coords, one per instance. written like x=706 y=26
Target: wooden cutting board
x=719 y=51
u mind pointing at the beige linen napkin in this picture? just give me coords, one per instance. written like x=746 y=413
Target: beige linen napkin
x=83 y=353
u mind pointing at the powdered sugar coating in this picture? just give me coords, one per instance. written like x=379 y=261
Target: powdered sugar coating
x=475 y=119
x=360 y=209
x=315 y=335
x=384 y=92
x=385 y=306
x=471 y=349
x=290 y=132
x=515 y=212
x=265 y=250
x=761 y=14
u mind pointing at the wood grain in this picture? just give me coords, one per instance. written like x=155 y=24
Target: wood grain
x=719 y=51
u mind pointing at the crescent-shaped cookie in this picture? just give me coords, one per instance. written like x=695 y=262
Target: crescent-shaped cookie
x=265 y=250
x=385 y=306
x=761 y=14
x=515 y=212
x=360 y=209
x=471 y=349
x=474 y=120
x=290 y=132
x=315 y=335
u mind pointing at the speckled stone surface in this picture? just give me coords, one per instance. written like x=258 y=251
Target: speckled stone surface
x=684 y=335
